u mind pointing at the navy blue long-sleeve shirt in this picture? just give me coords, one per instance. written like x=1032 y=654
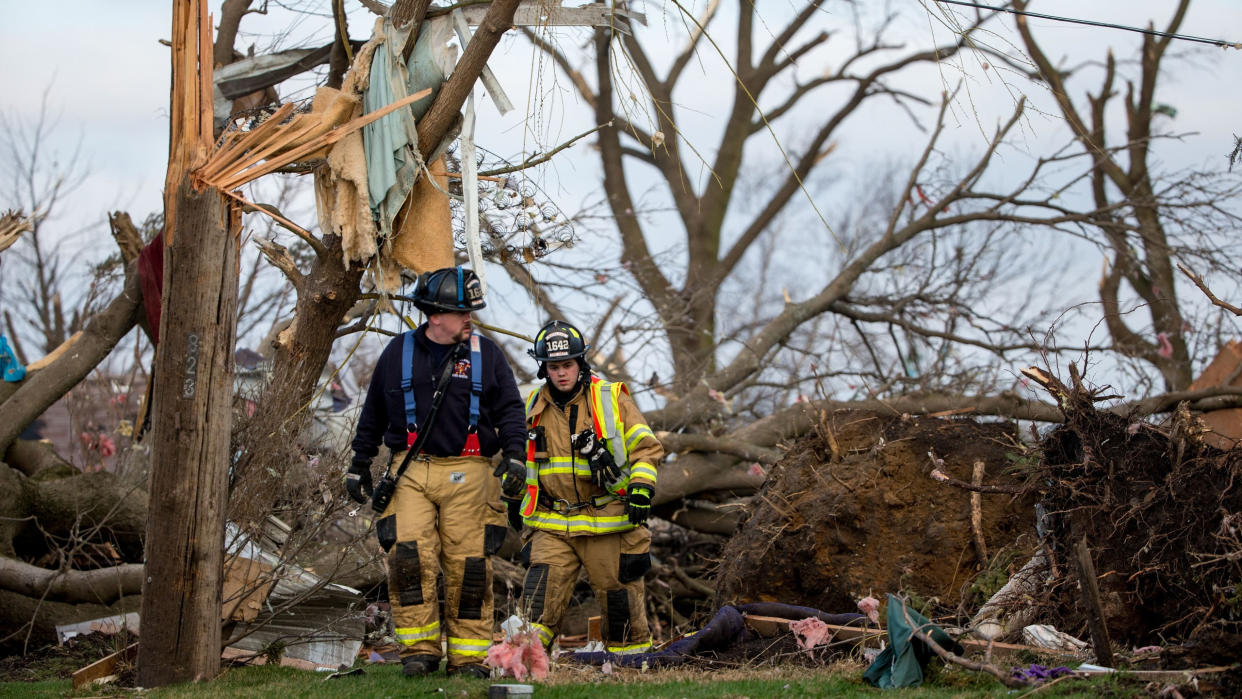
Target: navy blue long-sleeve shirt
x=502 y=419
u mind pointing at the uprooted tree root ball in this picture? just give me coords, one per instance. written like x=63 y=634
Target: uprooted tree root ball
x=1160 y=511
x=851 y=511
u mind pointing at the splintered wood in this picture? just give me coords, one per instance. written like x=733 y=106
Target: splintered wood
x=190 y=125
x=244 y=157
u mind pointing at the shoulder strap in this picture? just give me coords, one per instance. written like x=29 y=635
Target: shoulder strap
x=476 y=378
x=407 y=380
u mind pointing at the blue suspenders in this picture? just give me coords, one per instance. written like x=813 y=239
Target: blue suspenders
x=476 y=389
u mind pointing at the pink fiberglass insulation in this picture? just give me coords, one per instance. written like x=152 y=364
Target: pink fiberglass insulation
x=522 y=656
x=810 y=632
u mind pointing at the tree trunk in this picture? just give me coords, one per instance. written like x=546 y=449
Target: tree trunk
x=191 y=421
x=325 y=295
x=99 y=586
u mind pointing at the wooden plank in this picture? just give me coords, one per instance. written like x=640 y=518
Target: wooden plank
x=104 y=666
x=1091 y=600
x=1011 y=648
x=237 y=180
x=542 y=14
x=1170 y=676
x=769 y=626
x=231 y=151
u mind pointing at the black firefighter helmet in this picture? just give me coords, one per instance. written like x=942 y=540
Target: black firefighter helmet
x=558 y=341
x=449 y=290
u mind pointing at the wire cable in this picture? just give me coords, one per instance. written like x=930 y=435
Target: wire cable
x=1108 y=25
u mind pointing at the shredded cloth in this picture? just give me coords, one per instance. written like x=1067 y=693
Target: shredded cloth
x=810 y=632
x=1036 y=674
x=725 y=629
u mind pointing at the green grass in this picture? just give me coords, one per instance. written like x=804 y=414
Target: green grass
x=571 y=683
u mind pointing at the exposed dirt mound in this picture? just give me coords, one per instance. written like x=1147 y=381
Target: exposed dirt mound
x=851 y=511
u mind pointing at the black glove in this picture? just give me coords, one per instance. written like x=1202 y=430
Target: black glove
x=638 y=503
x=512 y=474
x=603 y=469
x=358 y=480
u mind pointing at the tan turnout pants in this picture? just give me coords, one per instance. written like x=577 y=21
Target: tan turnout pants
x=615 y=565
x=445 y=516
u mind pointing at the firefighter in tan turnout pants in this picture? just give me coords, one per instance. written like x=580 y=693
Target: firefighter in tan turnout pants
x=590 y=475
x=445 y=513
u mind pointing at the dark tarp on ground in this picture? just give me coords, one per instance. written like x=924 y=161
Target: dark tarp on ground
x=901 y=663
x=725 y=629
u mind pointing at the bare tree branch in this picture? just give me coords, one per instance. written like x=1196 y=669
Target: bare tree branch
x=439 y=118
x=1208 y=292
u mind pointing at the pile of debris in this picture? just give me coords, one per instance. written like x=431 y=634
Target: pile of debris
x=1160 y=511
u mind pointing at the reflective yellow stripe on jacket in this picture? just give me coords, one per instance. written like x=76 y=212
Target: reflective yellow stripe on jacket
x=565 y=465
x=635 y=648
x=579 y=523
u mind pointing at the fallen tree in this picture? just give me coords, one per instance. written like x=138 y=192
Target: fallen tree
x=851 y=512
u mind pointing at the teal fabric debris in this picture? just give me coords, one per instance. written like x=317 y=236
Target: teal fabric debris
x=901 y=663
x=391 y=142
x=430 y=62
x=11 y=370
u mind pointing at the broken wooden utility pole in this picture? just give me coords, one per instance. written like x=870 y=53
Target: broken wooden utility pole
x=193 y=387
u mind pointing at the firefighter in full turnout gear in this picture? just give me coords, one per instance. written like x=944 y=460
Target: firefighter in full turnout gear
x=445 y=513
x=590 y=476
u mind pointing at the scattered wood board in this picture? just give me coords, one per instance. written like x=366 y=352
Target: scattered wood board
x=104 y=666
x=1169 y=676
x=768 y=626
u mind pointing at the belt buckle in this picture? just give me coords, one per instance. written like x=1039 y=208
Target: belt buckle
x=558 y=503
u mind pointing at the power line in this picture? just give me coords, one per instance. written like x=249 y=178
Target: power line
x=1108 y=25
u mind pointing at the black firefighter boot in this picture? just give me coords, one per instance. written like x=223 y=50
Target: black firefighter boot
x=419 y=665
x=474 y=670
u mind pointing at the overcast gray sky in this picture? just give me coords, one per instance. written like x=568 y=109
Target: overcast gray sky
x=106 y=75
